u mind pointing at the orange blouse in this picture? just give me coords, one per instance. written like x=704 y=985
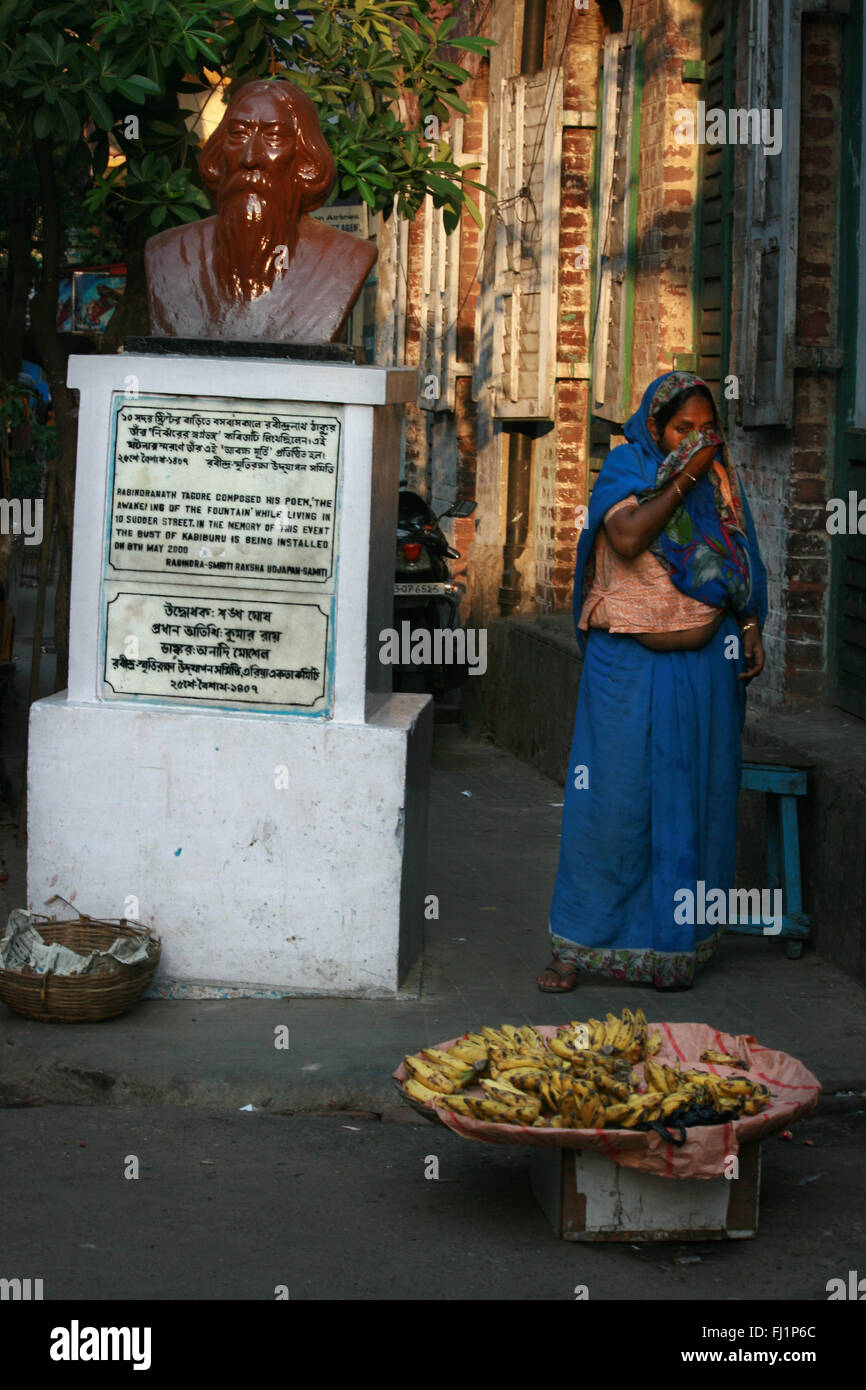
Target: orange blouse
x=636 y=595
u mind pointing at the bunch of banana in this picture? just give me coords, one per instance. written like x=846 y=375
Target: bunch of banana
x=506 y=1107
x=723 y=1059
x=626 y=1036
x=526 y=1078
x=580 y=1079
x=443 y=1079
x=469 y=1051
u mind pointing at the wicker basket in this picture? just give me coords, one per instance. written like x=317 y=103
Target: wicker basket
x=105 y=992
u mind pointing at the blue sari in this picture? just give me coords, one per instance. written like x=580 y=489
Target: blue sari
x=651 y=791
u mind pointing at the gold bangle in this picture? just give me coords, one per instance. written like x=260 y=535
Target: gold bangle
x=677 y=487
x=746 y=626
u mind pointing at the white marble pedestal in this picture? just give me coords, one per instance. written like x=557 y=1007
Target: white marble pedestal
x=272 y=827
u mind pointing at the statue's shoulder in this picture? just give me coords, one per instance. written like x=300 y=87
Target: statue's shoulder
x=182 y=242
x=343 y=244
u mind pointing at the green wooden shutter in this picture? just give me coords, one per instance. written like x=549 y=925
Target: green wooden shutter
x=714 y=261
x=619 y=159
x=772 y=217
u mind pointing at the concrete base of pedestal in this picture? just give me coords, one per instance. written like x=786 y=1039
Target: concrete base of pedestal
x=270 y=855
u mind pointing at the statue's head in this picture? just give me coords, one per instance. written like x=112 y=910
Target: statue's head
x=267 y=163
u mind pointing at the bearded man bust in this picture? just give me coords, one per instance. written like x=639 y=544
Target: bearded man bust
x=262 y=268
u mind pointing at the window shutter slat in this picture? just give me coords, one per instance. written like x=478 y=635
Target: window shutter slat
x=615 y=253
x=527 y=247
x=770 y=287
x=440 y=301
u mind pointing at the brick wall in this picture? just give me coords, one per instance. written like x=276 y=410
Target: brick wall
x=561 y=462
x=788 y=473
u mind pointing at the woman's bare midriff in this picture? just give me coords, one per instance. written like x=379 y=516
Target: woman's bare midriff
x=688 y=639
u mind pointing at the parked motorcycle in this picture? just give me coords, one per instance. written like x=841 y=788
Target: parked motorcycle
x=426 y=599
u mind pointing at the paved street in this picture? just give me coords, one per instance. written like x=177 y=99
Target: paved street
x=230 y=1205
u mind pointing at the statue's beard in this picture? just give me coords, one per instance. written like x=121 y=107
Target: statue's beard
x=255 y=240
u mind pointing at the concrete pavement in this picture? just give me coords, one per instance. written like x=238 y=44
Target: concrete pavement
x=493 y=846
x=232 y=1206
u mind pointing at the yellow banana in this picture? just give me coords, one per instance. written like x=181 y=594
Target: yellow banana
x=625 y=1033
x=654 y=1042
x=735 y=1086
x=444 y=1061
x=676 y=1100
x=414 y=1089
x=515 y=1061
x=614 y=1113
x=509 y=1114
x=509 y=1095
x=550 y=1097
x=434 y=1080
x=656 y=1077
x=723 y=1059
x=461 y=1104
x=527 y=1079
x=467 y=1052
x=754 y=1104
x=611 y=1030
x=592 y=1113
x=562 y=1049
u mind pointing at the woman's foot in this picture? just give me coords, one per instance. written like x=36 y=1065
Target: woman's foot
x=558 y=978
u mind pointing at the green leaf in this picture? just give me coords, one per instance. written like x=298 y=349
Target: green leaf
x=43 y=122
x=473 y=44
x=71 y=119
x=441 y=186
x=129 y=90
x=203 y=49
x=446 y=26
x=473 y=209
x=366 y=192
x=452 y=70
x=41 y=45
x=145 y=84
x=158 y=216
x=98 y=108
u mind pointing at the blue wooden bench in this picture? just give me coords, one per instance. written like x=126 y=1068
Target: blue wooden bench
x=781 y=782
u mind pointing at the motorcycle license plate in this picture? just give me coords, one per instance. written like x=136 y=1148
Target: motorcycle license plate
x=443 y=590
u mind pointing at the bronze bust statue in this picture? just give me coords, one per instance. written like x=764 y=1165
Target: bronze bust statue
x=262 y=268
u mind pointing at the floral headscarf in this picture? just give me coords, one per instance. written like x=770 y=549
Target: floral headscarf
x=709 y=547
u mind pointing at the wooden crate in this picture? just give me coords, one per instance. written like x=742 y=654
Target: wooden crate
x=587 y=1197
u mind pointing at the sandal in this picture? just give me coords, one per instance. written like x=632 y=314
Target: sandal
x=560 y=968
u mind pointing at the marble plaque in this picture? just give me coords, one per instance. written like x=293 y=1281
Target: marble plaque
x=205 y=488
x=232 y=651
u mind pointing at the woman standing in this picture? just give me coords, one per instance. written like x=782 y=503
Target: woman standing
x=669 y=597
